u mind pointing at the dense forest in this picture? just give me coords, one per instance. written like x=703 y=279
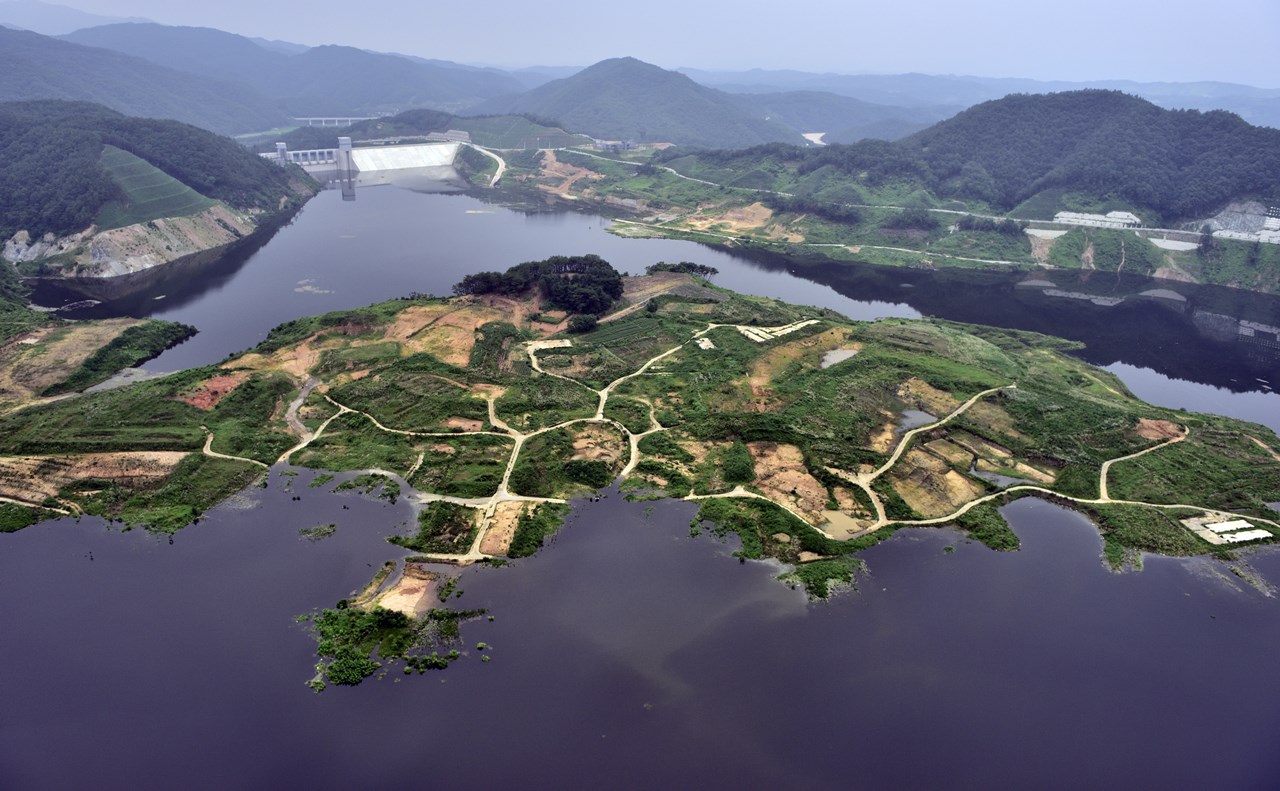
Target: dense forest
x=1176 y=163
x=52 y=153
x=582 y=284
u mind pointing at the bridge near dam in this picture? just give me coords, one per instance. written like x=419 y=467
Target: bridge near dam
x=333 y=120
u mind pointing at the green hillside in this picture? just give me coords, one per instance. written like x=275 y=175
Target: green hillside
x=149 y=193
x=54 y=160
x=1092 y=148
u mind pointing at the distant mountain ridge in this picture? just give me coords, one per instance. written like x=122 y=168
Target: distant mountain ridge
x=50 y=19
x=41 y=67
x=624 y=98
x=324 y=80
x=1259 y=106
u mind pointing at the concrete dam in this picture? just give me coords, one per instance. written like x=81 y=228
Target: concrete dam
x=416 y=166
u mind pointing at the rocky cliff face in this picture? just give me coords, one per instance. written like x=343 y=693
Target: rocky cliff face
x=134 y=248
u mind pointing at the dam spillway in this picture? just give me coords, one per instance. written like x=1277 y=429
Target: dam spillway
x=420 y=166
x=426 y=155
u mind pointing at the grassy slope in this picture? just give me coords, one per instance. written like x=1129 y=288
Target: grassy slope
x=150 y=193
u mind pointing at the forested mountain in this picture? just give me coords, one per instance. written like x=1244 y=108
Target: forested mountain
x=317 y=81
x=55 y=180
x=624 y=98
x=1179 y=164
x=40 y=67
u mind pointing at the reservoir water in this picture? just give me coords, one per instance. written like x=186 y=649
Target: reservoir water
x=629 y=653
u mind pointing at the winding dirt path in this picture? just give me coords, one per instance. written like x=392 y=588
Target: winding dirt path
x=209 y=451
x=1106 y=465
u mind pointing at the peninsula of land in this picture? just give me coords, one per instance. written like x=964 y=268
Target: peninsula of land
x=808 y=435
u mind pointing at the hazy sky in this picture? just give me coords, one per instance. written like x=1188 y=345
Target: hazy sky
x=1069 y=39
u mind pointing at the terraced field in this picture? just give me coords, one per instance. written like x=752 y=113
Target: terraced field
x=150 y=193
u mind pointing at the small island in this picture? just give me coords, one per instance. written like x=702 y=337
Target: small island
x=807 y=435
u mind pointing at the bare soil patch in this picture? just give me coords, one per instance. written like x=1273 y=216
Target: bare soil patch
x=33 y=478
x=208 y=393
x=34 y=361
x=598 y=442
x=466 y=424
x=502 y=528
x=926 y=397
x=737 y=220
x=882 y=439
x=1040 y=248
x=568 y=175
x=929 y=485
x=782 y=476
x=1158 y=429
x=413 y=593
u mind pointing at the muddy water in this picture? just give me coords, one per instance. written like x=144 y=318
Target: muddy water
x=630 y=654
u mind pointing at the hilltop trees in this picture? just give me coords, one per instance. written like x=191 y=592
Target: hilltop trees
x=584 y=284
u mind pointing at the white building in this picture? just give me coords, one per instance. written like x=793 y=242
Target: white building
x=1114 y=219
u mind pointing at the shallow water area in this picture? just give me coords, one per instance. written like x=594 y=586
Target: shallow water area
x=837 y=356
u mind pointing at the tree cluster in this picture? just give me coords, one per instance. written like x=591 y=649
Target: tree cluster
x=1011 y=228
x=684 y=267
x=834 y=212
x=585 y=284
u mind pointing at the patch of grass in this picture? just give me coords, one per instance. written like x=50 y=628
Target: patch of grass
x=386 y=488
x=821 y=578
x=1216 y=468
x=535 y=526
x=760 y=525
x=15 y=517
x=198 y=483
x=142 y=416
x=629 y=412
x=241 y=421
x=442 y=527
x=469 y=466
x=493 y=340
x=985 y=524
x=353 y=443
x=150 y=193
x=418 y=393
x=318 y=532
x=544 y=401
x=546 y=467
x=1128 y=529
